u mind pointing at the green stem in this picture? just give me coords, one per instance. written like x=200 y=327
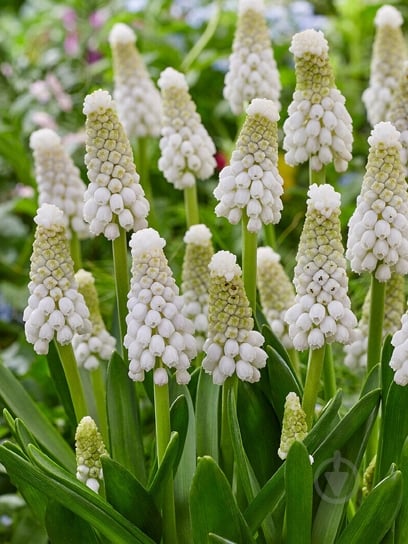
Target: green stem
x=270 y=236
x=329 y=375
x=162 y=414
x=99 y=390
x=227 y=453
x=249 y=247
x=120 y=263
x=75 y=248
x=312 y=384
x=69 y=364
x=294 y=359
x=191 y=205
x=375 y=325
x=317 y=176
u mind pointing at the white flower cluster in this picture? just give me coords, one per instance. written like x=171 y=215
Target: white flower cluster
x=196 y=278
x=232 y=345
x=156 y=328
x=55 y=307
x=114 y=196
x=98 y=344
x=89 y=448
x=59 y=181
x=319 y=127
x=138 y=101
x=399 y=357
x=252 y=69
x=378 y=229
x=321 y=313
x=398 y=113
x=251 y=182
x=276 y=292
x=187 y=151
x=389 y=54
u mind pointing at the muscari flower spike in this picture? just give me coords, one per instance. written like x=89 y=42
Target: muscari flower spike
x=397 y=112
x=158 y=335
x=97 y=345
x=114 y=197
x=399 y=357
x=187 y=151
x=294 y=426
x=59 y=181
x=389 y=54
x=321 y=313
x=378 y=229
x=196 y=278
x=251 y=182
x=252 y=71
x=137 y=99
x=89 y=448
x=55 y=306
x=319 y=127
x=232 y=346
x=276 y=292
x=394 y=305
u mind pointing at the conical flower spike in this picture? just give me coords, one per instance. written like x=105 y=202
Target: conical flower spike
x=378 y=228
x=232 y=345
x=59 y=181
x=321 y=313
x=251 y=183
x=157 y=331
x=398 y=112
x=252 y=69
x=276 y=292
x=98 y=344
x=196 y=278
x=137 y=99
x=319 y=127
x=389 y=54
x=114 y=198
x=89 y=449
x=294 y=426
x=55 y=307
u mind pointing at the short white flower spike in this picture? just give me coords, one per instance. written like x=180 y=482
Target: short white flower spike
x=251 y=183
x=294 y=425
x=59 y=180
x=137 y=99
x=389 y=54
x=89 y=448
x=252 y=69
x=158 y=335
x=114 y=197
x=378 y=229
x=55 y=307
x=321 y=313
x=187 y=151
x=319 y=127
x=232 y=345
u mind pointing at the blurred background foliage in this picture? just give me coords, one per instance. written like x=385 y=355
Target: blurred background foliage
x=53 y=53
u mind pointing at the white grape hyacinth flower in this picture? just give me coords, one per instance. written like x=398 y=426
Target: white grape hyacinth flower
x=399 y=357
x=378 y=229
x=55 y=307
x=114 y=197
x=159 y=336
x=89 y=448
x=187 y=151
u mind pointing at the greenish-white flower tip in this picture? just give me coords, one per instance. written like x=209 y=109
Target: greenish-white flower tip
x=323 y=198
x=49 y=216
x=264 y=107
x=83 y=277
x=224 y=264
x=386 y=134
x=199 y=235
x=266 y=255
x=388 y=16
x=121 y=34
x=171 y=78
x=309 y=41
x=255 y=5
x=98 y=100
x=44 y=139
x=146 y=240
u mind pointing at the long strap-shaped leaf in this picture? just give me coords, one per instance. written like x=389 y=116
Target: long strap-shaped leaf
x=401 y=523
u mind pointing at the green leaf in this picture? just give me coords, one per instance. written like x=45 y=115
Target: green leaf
x=372 y=381
x=213 y=506
x=165 y=470
x=387 y=373
x=65 y=527
x=123 y=419
x=401 y=523
x=299 y=495
x=272 y=340
x=207 y=402
x=179 y=423
x=123 y=492
x=377 y=513
x=22 y=406
x=23 y=436
x=219 y=539
x=60 y=382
